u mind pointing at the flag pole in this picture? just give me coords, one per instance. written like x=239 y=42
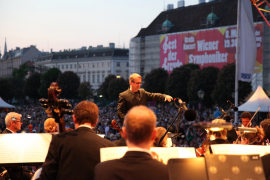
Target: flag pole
x=237 y=61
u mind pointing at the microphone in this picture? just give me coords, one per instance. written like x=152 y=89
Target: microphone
x=190 y=114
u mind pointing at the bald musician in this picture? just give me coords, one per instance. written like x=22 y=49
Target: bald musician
x=74 y=154
x=135 y=96
x=137 y=163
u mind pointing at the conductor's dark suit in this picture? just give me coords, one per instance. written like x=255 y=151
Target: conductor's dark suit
x=129 y=99
x=135 y=165
x=73 y=155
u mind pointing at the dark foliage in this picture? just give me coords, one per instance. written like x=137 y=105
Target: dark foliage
x=6 y=89
x=116 y=86
x=104 y=86
x=85 y=90
x=69 y=82
x=32 y=85
x=155 y=81
x=46 y=79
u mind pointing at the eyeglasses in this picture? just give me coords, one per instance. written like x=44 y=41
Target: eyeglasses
x=138 y=83
x=18 y=121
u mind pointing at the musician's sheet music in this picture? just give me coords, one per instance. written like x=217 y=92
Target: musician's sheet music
x=239 y=149
x=24 y=147
x=165 y=154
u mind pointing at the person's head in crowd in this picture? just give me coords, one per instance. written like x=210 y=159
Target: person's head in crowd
x=13 y=121
x=50 y=126
x=85 y=112
x=264 y=125
x=69 y=129
x=160 y=132
x=253 y=138
x=135 y=81
x=222 y=134
x=245 y=117
x=139 y=127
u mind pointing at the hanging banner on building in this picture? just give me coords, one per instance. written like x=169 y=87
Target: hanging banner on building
x=212 y=47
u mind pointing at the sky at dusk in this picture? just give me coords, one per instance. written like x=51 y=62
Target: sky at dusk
x=70 y=24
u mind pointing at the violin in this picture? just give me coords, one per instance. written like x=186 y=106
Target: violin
x=116 y=127
x=30 y=128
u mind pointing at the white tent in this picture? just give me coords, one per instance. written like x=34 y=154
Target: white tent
x=259 y=98
x=3 y=104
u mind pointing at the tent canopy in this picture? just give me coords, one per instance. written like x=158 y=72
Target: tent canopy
x=3 y=104
x=259 y=98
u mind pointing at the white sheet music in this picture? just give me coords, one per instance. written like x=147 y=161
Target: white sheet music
x=165 y=154
x=24 y=148
x=239 y=149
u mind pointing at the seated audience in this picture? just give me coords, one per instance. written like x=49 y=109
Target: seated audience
x=137 y=163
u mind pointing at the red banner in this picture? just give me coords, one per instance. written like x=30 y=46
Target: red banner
x=213 y=47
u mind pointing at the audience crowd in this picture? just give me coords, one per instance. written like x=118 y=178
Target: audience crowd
x=183 y=133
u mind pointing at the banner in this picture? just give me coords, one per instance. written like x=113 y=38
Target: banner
x=212 y=47
x=247 y=43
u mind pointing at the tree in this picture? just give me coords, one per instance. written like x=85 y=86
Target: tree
x=204 y=79
x=104 y=86
x=69 y=82
x=22 y=71
x=17 y=85
x=226 y=84
x=85 y=90
x=6 y=90
x=116 y=86
x=46 y=79
x=177 y=82
x=155 y=81
x=32 y=85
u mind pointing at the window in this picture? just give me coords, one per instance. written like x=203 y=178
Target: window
x=127 y=76
x=67 y=66
x=89 y=77
x=109 y=64
x=89 y=65
x=84 y=78
x=98 y=64
x=103 y=76
x=127 y=64
x=62 y=66
x=71 y=66
x=54 y=66
x=118 y=64
x=98 y=78
x=80 y=66
x=58 y=66
x=93 y=65
x=93 y=80
x=75 y=66
x=84 y=65
x=103 y=64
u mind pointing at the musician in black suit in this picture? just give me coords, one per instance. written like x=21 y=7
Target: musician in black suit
x=137 y=163
x=135 y=96
x=74 y=154
x=13 y=124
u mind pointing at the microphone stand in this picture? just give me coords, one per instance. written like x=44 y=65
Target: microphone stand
x=181 y=108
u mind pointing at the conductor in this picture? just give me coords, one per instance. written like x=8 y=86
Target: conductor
x=135 y=96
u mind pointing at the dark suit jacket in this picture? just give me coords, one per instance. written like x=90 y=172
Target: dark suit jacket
x=127 y=100
x=133 y=166
x=6 y=131
x=266 y=166
x=73 y=155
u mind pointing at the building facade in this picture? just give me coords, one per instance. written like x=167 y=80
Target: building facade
x=14 y=58
x=92 y=65
x=191 y=23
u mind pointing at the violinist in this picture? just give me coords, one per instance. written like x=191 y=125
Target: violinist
x=160 y=132
x=137 y=163
x=216 y=137
x=246 y=117
x=252 y=138
x=265 y=125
